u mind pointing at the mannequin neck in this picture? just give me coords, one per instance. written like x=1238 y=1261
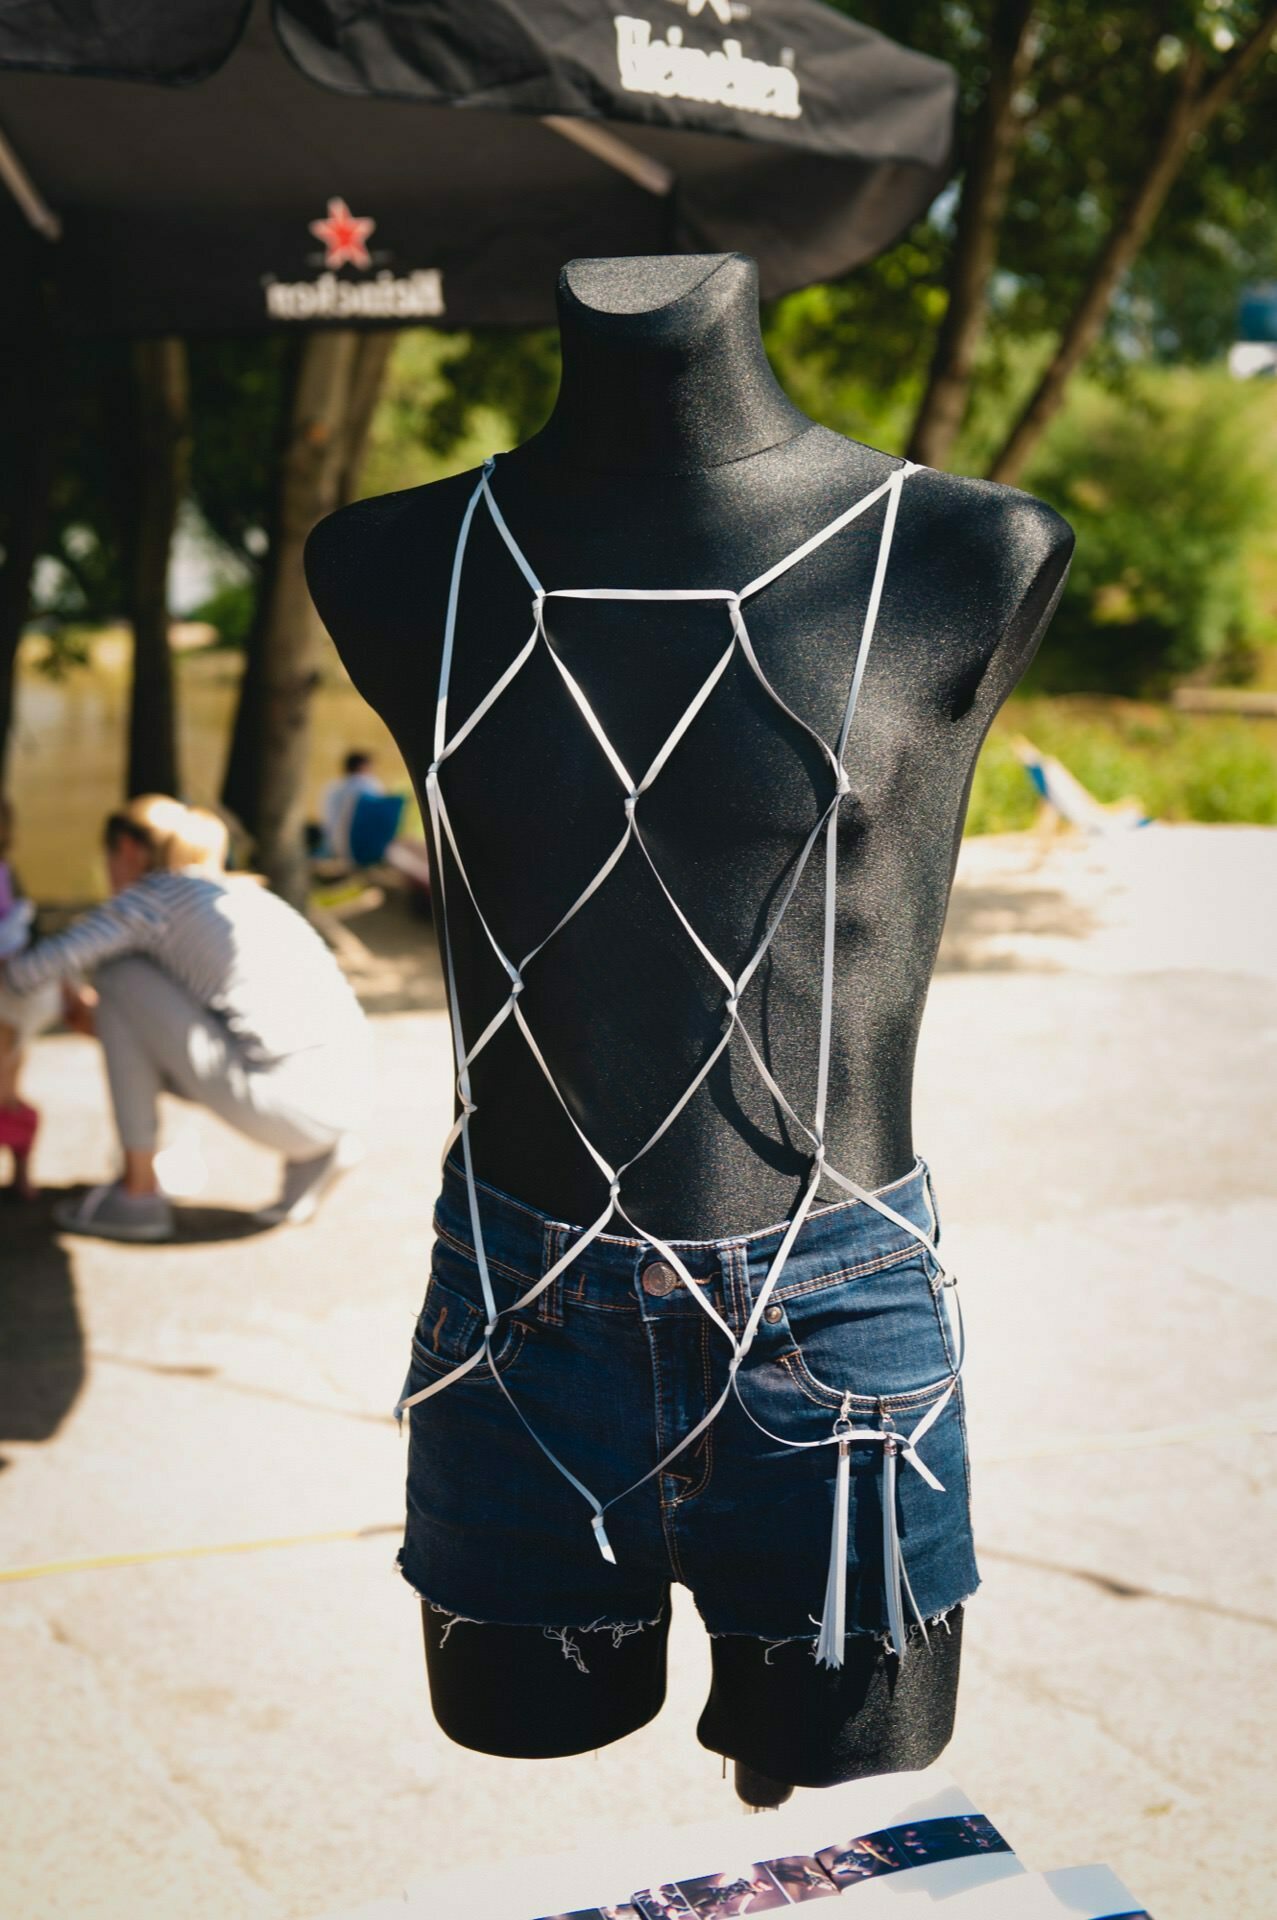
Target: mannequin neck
x=663 y=367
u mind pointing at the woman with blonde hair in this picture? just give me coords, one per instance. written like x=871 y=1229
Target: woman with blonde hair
x=207 y=986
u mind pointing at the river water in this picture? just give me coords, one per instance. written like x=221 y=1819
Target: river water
x=67 y=757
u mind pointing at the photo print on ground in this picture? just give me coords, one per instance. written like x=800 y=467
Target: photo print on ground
x=802 y=1878
x=626 y=1911
x=715 y=1896
x=921 y=1844
x=793 y=1879
x=662 y=1903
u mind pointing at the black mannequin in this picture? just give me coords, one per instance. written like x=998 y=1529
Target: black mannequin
x=673 y=458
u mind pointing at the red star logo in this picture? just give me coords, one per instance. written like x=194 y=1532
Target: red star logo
x=344 y=236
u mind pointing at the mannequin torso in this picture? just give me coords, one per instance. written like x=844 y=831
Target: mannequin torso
x=674 y=459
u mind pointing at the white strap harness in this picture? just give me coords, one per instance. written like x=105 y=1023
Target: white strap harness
x=844 y=1435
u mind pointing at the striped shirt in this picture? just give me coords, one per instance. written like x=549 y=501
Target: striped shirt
x=238 y=950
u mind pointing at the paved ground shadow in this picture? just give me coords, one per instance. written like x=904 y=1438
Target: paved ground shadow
x=42 y=1357
x=41 y=1338
x=982 y=917
x=200 y=1225
x=194 y=1225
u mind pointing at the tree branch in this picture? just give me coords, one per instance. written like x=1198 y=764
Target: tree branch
x=990 y=166
x=1194 y=106
x=1239 y=66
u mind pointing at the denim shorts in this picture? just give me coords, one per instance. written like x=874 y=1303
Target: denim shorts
x=614 y=1363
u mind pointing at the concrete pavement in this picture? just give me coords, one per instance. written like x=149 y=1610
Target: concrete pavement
x=245 y=1730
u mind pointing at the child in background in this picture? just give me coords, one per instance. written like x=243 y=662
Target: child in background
x=22 y=1016
x=341 y=797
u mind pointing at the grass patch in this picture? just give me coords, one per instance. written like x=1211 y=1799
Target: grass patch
x=1181 y=766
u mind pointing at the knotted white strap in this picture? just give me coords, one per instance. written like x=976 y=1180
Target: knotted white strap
x=826 y=827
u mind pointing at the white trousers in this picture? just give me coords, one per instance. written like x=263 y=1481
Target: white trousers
x=157 y=1039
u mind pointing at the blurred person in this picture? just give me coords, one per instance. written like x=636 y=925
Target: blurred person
x=206 y=986
x=22 y=1016
x=341 y=797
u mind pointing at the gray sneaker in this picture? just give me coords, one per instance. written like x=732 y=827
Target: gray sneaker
x=307 y=1181
x=112 y=1214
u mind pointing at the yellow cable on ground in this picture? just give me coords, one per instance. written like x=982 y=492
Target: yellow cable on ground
x=1224 y=1428
x=97 y=1562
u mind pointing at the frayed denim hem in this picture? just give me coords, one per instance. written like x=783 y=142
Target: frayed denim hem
x=916 y=1634
x=566 y=1636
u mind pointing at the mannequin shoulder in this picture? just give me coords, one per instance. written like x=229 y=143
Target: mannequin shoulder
x=992 y=563
x=999 y=529
x=401 y=532
x=378 y=572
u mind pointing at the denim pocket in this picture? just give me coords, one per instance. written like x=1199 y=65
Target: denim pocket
x=873 y=1340
x=451 y=1323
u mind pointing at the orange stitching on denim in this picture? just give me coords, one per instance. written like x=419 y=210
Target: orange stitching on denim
x=738 y=1281
x=550 y=1302
x=500 y=1266
x=902 y=1256
x=796 y=1367
x=706 y=1443
x=669 y=1509
x=504 y=1360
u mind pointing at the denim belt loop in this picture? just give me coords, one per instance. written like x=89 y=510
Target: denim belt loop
x=550 y=1303
x=737 y=1297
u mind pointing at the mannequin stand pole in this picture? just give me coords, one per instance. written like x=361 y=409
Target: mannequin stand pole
x=757 y=1791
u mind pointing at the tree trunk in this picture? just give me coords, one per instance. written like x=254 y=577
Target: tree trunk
x=987 y=182
x=366 y=379
x=334 y=391
x=1195 y=106
x=161 y=464
x=30 y=400
x=243 y=759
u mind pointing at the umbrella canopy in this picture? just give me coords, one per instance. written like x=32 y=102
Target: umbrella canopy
x=216 y=166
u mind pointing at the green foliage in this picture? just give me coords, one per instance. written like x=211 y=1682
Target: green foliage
x=1007 y=370
x=432 y=419
x=231 y=609
x=66 y=646
x=86 y=420
x=1101 y=84
x=1216 y=237
x=80 y=579
x=1002 y=800
x=1165 y=487
x=515 y=376
x=1180 y=766
x=1232 y=775
x=853 y=353
x=239 y=392
x=450 y=399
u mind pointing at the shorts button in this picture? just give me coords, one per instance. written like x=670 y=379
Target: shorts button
x=659 y=1278
x=773 y=1314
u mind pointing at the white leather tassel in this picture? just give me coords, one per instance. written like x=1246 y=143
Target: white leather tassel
x=891 y=1558
x=833 y=1621
x=605 y=1545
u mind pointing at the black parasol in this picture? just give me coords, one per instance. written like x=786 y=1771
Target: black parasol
x=210 y=165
